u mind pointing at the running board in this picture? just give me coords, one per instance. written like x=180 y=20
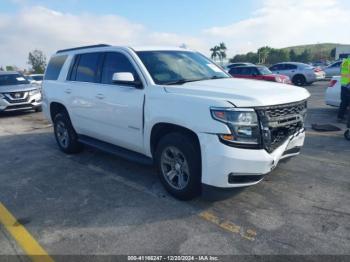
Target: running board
x=116 y=150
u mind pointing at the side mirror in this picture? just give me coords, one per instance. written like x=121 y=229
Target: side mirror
x=126 y=78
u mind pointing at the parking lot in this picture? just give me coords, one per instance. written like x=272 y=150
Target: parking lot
x=96 y=203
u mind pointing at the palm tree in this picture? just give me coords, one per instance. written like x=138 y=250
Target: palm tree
x=215 y=52
x=223 y=49
x=219 y=51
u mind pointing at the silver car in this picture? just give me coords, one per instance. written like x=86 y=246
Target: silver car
x=333 y=69
x=301 y=74
x=16 y=93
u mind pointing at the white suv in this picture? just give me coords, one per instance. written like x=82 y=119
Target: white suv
x=174 y=108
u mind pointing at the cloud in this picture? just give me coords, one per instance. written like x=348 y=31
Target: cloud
x=286 y=23
x=48 y=30
x=275 y=23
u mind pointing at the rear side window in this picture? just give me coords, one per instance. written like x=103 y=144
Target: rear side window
x=247 y=71
x=54 y=68
x=290 y=67
x=116 y=63
x=87 y=68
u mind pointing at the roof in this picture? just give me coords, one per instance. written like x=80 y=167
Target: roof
x=292 y=63
x=137 y=49
x=8 y=73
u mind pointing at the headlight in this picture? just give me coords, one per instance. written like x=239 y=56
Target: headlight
x=2 y=96
x=243 y=123
x=34 y=92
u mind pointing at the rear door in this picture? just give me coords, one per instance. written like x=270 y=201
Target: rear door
x=84 y=78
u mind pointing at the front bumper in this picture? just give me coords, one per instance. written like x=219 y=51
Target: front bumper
x=33 y=102
x=222 y=163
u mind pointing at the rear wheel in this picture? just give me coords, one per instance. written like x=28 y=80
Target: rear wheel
x=65 y=135
x=179 y=165
x=299 y=80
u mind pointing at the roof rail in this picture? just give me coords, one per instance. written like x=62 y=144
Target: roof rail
x=81 y=47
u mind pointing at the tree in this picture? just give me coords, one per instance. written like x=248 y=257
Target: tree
x=222 y=50
x=219 y=51
x=263 y=53
x=37 y=60
x=10 y=68
x=305 y=56
x=333 y=53
x=293 y=56
x=277 y=56
x=215 y=52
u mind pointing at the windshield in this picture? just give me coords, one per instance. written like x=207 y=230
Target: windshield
x=264 y=70
x=13 y=79
x=178 y=67
x=37 y=78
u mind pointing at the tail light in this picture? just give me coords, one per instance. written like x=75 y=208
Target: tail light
x=316 y=70
x=332 y=83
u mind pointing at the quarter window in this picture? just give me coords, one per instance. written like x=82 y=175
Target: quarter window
x=54 y=68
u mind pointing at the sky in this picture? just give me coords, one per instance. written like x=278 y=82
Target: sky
x=244 y=25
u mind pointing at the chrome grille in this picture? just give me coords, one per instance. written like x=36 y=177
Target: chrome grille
x=280 y=122
x=17 y=97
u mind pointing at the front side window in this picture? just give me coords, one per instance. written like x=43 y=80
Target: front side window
x=263 y=70
x=13 y=79
x=178 y=67
x=277 y=67
x=116 y=63
x=87 y=69
x=37 y=78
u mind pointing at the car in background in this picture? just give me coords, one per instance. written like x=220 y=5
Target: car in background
x=35 y=78
x=233 y=65
x=321 y=64
x=258 y=73
x=333 y=69
x=301 y=74
x=333 y=92
x=18 y=94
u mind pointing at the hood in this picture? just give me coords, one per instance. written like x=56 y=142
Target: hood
x=18 y=88
x=242 y=92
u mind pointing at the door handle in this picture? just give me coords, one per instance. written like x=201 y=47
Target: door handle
x=100 y=96
x=68 y=91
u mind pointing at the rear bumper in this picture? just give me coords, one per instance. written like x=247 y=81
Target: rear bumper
x=228 y=167
x=33 y=102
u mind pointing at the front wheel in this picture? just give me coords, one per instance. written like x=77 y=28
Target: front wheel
x=65 y=135
x=39 y=109
x=179 y=165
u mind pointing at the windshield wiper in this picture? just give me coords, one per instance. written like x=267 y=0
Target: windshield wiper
x=182 y=81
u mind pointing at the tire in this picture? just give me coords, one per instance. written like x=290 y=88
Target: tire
x=299 y=80
x=347 y=134
x=39 y=109
x=177 y=155
x=66 y=137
